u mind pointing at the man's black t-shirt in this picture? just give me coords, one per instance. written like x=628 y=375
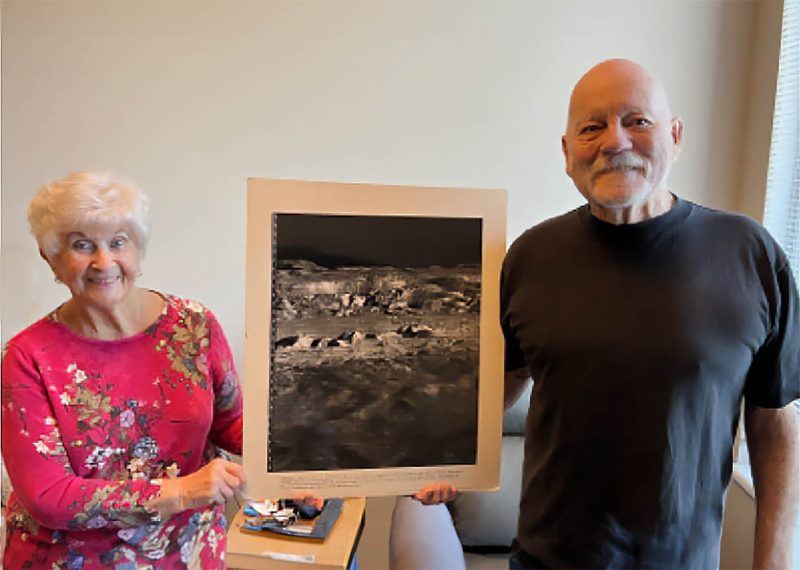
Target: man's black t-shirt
x=641 y=340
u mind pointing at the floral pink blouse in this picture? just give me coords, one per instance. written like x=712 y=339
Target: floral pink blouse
x=88 y=424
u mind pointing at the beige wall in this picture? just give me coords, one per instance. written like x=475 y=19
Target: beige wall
x=190 y=98
x=765 y=40
x=739 y=525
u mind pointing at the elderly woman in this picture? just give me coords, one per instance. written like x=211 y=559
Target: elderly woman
x=115 y=403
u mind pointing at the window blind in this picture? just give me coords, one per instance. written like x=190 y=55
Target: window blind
x=782 y=203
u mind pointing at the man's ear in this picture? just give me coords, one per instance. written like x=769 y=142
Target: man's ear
x=566 y=152
x=677 y=135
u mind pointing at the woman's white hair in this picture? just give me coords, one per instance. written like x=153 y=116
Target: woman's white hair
x=86 y=197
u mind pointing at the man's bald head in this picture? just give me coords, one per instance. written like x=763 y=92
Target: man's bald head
x=616 y=75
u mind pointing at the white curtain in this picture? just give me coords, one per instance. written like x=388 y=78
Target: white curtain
x=782 y=205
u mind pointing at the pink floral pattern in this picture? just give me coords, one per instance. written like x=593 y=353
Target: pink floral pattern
x=88 y=425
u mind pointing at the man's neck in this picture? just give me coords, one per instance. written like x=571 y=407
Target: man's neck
x=648 y=209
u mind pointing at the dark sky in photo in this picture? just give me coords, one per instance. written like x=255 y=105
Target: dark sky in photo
x=397 y=241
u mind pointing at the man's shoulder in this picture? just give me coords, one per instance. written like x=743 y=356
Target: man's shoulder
x=733 y=229
x=545 y=232
x=708 y=215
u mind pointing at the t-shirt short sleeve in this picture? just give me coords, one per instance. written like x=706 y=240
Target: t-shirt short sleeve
x=514 y=357
x=773 y=380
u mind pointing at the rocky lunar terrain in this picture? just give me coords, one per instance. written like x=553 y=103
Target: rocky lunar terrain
x=373 y=366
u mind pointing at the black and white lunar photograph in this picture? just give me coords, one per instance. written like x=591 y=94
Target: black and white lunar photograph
x=375 y=342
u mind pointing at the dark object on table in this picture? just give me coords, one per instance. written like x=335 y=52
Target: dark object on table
x=317 y=527
x=303 y=509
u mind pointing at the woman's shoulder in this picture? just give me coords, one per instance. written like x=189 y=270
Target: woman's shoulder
x=34 y=335
x=182 y=307
x=187 y=318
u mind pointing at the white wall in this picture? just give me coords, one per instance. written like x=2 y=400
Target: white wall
x=190 y=98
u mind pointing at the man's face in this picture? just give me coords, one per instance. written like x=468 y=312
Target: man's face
x=621 y=140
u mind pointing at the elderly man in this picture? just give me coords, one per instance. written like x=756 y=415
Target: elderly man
x=644 y=320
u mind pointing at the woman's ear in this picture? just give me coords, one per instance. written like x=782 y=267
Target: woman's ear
x=43 y=255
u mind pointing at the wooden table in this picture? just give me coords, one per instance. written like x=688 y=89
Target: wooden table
x=263 y=550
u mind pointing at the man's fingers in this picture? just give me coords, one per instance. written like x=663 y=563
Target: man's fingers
x=436 y=493
x=425 y=497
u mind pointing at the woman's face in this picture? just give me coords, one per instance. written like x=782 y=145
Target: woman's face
x=99 y=263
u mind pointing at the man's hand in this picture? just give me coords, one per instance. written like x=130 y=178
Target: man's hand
x=774 y=444
x=215 y=483
x=436 y=493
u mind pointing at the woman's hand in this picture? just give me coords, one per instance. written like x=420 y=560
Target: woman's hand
x=436 y=493
x=215 y=483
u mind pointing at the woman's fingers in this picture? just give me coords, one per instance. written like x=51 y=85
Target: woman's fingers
x=238 y=471
x=230 y=480
x=214 y=483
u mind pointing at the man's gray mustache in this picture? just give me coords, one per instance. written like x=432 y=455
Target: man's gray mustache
x=619 y=163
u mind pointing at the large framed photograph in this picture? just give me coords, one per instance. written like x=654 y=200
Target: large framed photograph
x=374 y=357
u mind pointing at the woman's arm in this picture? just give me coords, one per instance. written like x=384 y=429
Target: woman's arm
x=38 y=465
x=48 y=488
x=226 y=428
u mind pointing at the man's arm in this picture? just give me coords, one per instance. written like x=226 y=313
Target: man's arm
x=515 y=383
x=774 y=443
